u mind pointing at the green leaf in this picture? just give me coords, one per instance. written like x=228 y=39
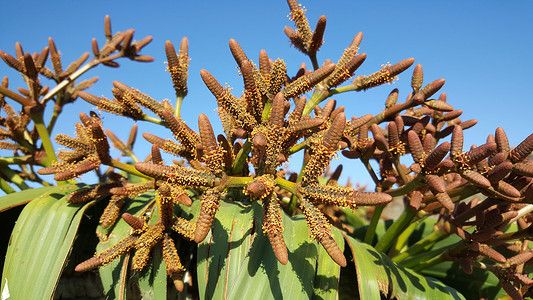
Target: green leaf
x=40 y=244
x=377 y=275
x=236 y=260
x=25 y=196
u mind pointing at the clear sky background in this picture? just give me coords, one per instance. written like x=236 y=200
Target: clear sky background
x=484 y=50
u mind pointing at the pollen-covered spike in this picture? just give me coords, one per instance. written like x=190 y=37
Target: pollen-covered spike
x=418 y=78
x=415 y=146
x=150 y=237
x=91 y=263
x=437 y=155
x=77 y=63
x=334 y=133
x=273 y=228
x=296 y=114
x=29 y=65
x=176 y=174
x=308 y=81
x=501 y=140
x=353 y=126
x=297 y=15
x=370 y=198
x=54 y=56
x=188 y=137
x=184 y=227
x=456 y=148
x=100 y=142
x=210 y=202
x=520 y=258
x=306 y=124
x=489 y=252
x=237 y=52
x=351 y=51
x=501 y=170
x=89 y=164
x=139 y=97
x=428 y=143
x=508 y=190
x=343 y=72
x=379 y=138
x=392 y=98
x=475 y=178
x=445 y=200
x=428 y=91
x=12 y=62
x=111 y=212
x=252 y=95
x=277 y=112
x=137 y=224
x=318 y=35
x=180 y=195
x=165 y=205
x=319 y=230
x=468 y=123
x=264 y=64
x=170 y=255
x=523 y=169
x=228 y=102
x=439 y=105
x=327 y=109
x=140 y=258
x=107 y=28
x=47 y=170
x=97 y=191
x=117 y=143
x=520 y=152
x=479 y=153
x=41 y=59
x=207 y=134
x=277 y=76
x=106 y=256
x=435 y=183
x=178 y=66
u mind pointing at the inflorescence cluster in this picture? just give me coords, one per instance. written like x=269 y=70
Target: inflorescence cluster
x=263 y=127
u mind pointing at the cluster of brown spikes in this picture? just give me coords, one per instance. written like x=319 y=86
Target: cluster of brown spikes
x=269 y=122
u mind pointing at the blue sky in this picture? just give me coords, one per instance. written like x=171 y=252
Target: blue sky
x=484 y=50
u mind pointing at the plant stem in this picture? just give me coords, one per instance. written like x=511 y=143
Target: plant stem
x=392 y=233
x=422 y=245
x=314 y=61
x=232 y=181
x=13 y=177
x=177 y=110
x=91 y=64
x=320 y=94
x=371 y=230
x=128 y=168
x=287 y=185
x=411 y=186
x=16 y=160
x=426 y=260
x=401 y=241
x=45 y=138
x=6 y=187
x=154 y=120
